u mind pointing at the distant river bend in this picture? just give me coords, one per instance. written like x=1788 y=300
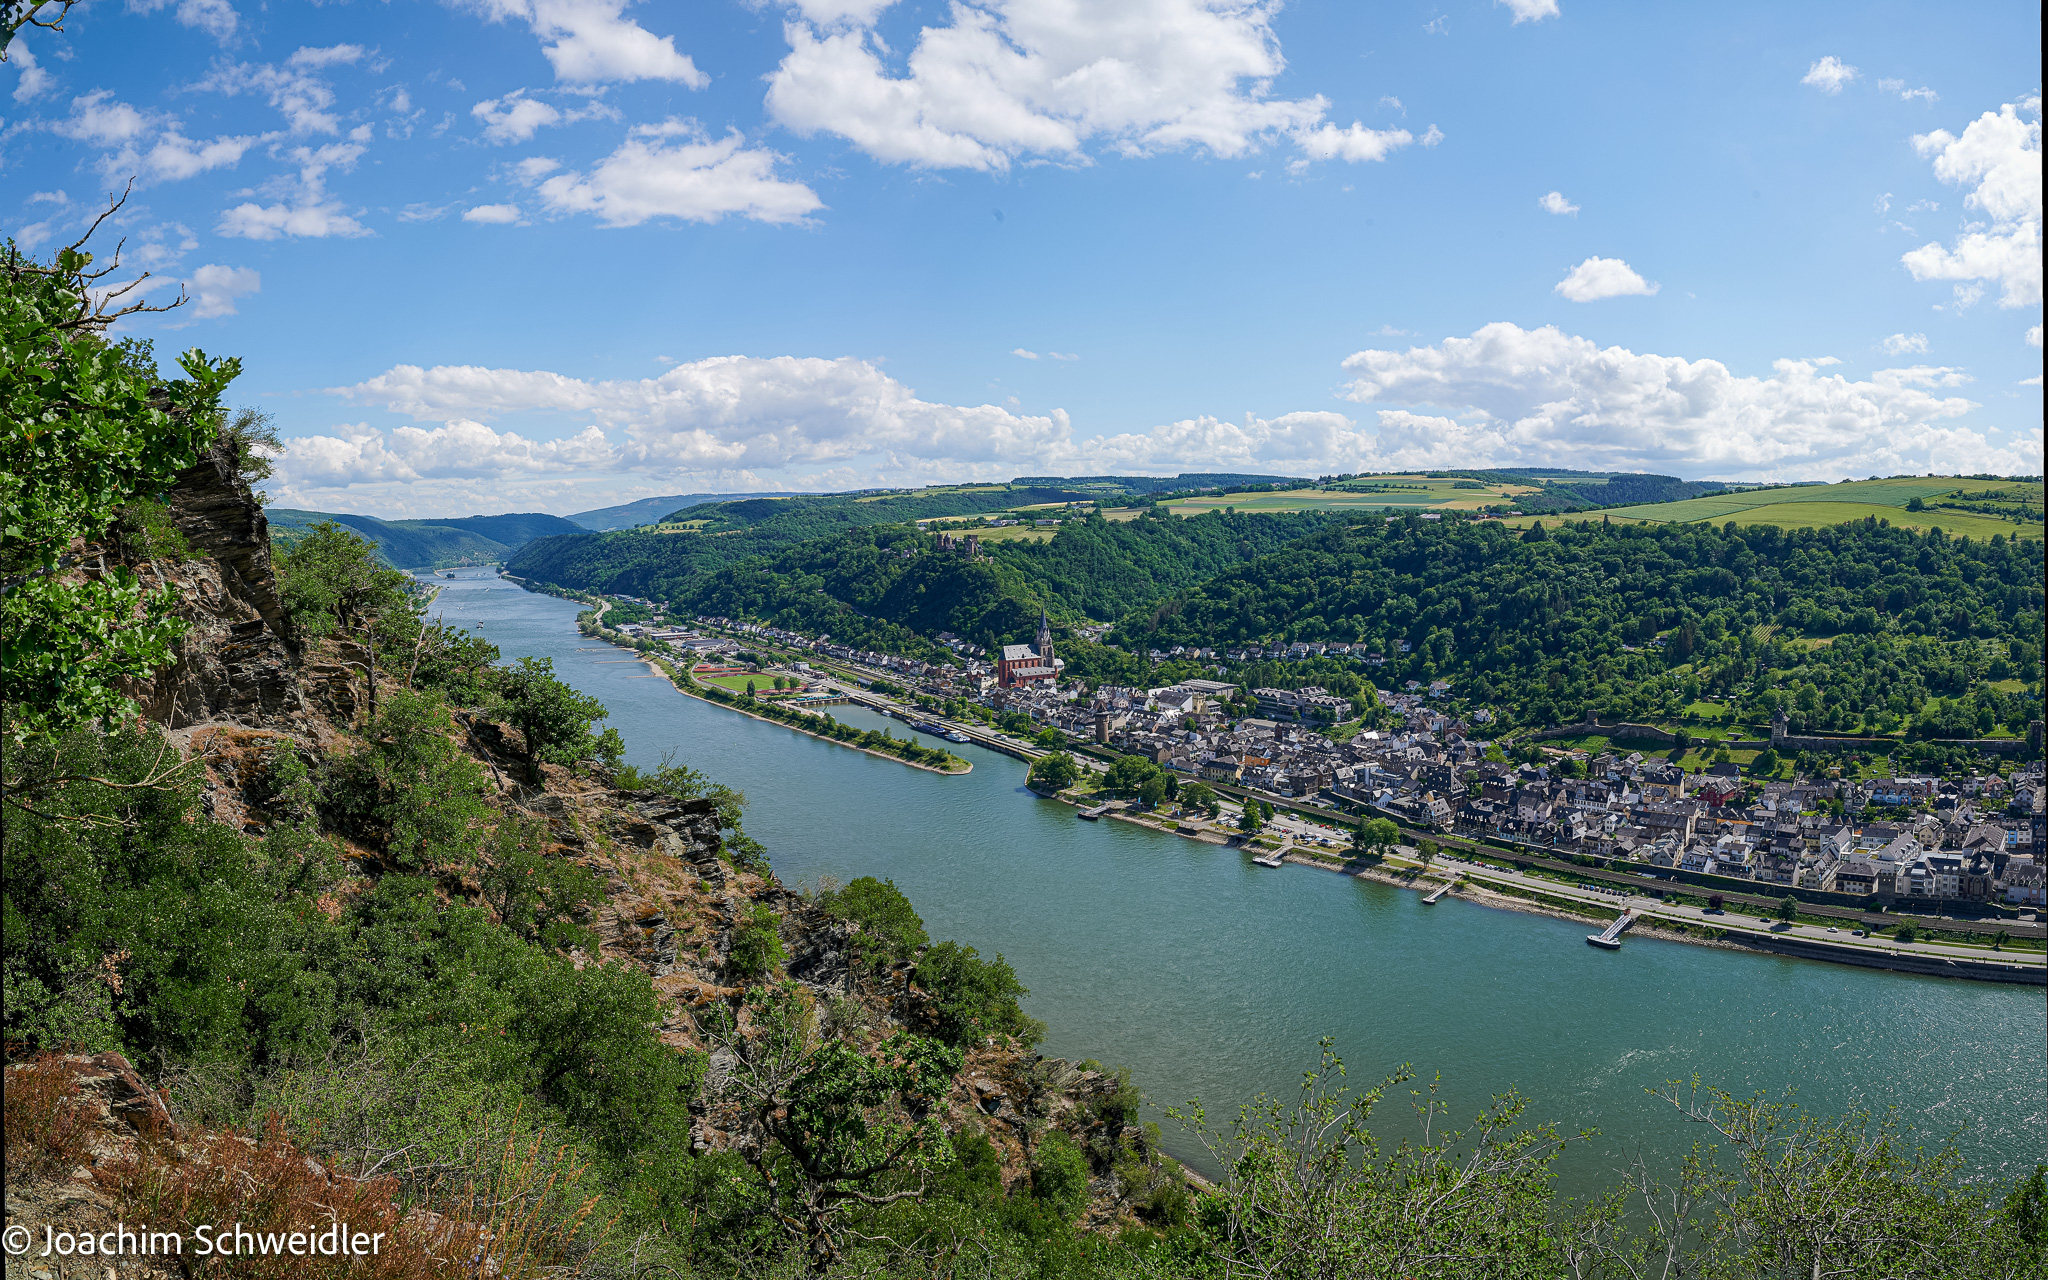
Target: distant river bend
x=1210 y=977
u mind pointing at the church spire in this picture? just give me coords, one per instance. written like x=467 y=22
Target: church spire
x=1044 y=645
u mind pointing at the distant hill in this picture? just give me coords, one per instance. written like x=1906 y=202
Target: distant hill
x=648 y=510
x=1142 y=485
x=404 y=544
x=431 y=544
x=512 y=530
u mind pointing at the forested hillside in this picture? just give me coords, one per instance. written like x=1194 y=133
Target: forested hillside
x=890 y=586
x=662 y=566
x=429 y=544
x=1860 y=624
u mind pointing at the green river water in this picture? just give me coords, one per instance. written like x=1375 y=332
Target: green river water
x=1211 y=977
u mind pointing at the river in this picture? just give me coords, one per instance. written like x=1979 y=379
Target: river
x=1212 y=978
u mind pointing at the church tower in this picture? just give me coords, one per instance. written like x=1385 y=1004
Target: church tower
x=1044 y=645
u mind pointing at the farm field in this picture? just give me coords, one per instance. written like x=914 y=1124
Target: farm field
x=1816 y=506
x=1426 y=495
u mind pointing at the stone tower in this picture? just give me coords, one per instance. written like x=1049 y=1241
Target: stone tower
x=1044 y=644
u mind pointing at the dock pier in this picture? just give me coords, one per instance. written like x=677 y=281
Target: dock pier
x=1609 y=939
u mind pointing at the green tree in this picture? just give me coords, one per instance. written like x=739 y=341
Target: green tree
x=889 y=926
x=557 y=721
x=833 y=1127
x=1059 y=1175
x=1128 y=773
x=1054 y=773
x=1788 y=908
x=87 y=429
x=1375 y=835
x=1248 y=821
x=1202 y=797
x=1152 y=792
x=1310 y=1193
x=332 y=578
x=411 y=789
x=972 y=998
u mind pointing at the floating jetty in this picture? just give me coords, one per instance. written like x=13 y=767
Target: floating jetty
x=1436 y=893
x=1609 y=939
x=1273 y=859
x=1095 y=814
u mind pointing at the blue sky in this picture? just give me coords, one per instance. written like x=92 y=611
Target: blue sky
x=551 y=254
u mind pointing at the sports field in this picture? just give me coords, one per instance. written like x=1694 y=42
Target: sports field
x=1816 y=506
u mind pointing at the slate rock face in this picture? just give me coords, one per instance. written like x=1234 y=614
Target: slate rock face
x=236 y=662
x=686 y=830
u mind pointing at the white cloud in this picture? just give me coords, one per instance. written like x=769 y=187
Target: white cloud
x=216 y=18
x=330 y=56
x=2000 y=153
x=734 y=412
x=102 y=120
x=1063 y=355
x=1354 y=144
x=1928 y=96
x=1008 y=80
x=1531 y=10
x=1542 y=397
x=828 y=13
x=460 y=449
x=1554 y=202
x=2034 y=337
x=149 y=146
x=305 y=100
x=215 y=288
x=57 y=198
x=492 y=214
x=592 y=41
x=305 y=209
x=1503 y=397
x=35 y=81
x=1432 y=136
x=673 y=170
x=1598 y=278
x=176 y=156
x=1023 y=354
x=516 y=117
x=1829 y=74
x=1900 y=344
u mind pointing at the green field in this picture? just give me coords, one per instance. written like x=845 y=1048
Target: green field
x=1816 y=506
x=1405 y=493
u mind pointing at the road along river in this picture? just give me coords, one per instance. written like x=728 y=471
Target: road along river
x=1211 y=977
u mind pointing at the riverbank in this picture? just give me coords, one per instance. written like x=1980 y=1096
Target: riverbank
x=966 y=766
x=1533 y=899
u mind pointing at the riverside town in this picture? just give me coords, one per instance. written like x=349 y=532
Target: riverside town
x=1017 y=640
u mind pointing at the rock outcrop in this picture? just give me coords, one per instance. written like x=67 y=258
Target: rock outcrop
x=236 y=662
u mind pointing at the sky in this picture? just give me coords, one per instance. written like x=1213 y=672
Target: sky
x=549 y=255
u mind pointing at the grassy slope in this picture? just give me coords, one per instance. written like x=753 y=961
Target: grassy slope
x=1814 y=506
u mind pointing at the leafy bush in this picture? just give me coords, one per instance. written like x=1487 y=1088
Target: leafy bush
x=1059 y=1175
x=756 y=943
x=556 y=720
x=889 y=926
x=973 y=998
x=411 y=788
